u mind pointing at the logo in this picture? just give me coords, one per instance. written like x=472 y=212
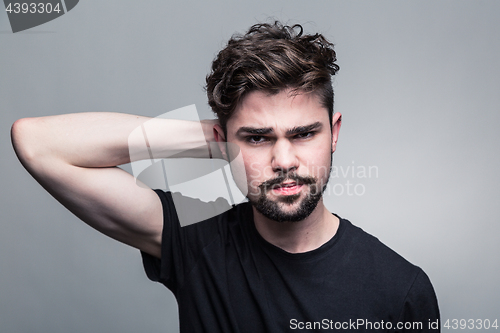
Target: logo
x=26 y=15
x=201 y=187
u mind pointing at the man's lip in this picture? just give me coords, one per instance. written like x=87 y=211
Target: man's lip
x=287 y=184
x=287 y=189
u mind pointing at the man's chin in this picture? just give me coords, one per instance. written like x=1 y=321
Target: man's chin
x=287 y=208
x=288 y=200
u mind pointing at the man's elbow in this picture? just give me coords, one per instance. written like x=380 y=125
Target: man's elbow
x=22 y=141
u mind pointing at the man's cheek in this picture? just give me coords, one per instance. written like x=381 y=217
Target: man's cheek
x=254 y=188
x=318 y=169
x=253 y=172
x=323 y=170
x=238 y=167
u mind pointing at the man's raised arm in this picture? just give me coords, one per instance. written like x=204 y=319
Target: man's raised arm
x=74 y=157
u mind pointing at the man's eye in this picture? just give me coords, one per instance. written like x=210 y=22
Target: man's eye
x=256 y=139
x=304 y=135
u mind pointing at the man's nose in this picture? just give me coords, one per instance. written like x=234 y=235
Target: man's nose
x=284 y=158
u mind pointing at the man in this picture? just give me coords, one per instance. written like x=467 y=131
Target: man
x=281 y=262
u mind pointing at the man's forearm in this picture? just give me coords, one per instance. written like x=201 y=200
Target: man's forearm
x=106 y=139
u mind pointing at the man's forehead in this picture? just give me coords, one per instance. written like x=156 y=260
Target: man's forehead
x=286 y=98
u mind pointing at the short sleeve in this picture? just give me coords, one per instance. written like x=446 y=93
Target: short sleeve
x=181 y=245
x=420 y=307
x=153 y=265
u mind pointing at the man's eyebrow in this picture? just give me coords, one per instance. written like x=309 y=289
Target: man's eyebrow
x=254 y=130
x=303 y=129
x=268 y=130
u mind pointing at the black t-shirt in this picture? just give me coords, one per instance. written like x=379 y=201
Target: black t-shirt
x=227 y=278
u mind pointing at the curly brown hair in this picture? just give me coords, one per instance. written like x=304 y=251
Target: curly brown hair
x=270 y=58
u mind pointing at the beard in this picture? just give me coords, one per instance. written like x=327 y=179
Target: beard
x=274 y=210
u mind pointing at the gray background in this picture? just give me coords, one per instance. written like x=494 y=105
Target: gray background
x=419 y=90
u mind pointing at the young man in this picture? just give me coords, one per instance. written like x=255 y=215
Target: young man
x=280 y=262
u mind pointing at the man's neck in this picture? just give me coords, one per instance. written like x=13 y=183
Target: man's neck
x=298 y=237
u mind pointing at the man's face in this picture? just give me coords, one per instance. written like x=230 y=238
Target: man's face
x=286 y=143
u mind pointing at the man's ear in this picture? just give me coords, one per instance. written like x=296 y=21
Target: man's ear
x=336 y=122
x=221 y=140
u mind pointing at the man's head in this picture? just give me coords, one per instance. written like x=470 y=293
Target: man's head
x=271 y=58
x=271 y=90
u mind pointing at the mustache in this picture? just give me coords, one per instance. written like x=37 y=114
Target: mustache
x=303 y=180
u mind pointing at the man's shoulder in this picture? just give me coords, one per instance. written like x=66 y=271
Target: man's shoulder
x=386 y=277
x=373 y=254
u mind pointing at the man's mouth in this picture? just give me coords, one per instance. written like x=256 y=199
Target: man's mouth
x=286 y=185
x=287 y=188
